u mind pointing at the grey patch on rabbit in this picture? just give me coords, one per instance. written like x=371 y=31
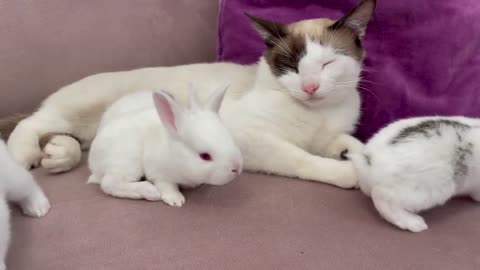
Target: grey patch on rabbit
x=460 y=167
x=428 y=129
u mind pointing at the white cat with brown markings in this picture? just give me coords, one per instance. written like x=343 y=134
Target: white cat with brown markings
x=291 y=114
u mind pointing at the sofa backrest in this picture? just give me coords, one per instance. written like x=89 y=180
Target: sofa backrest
x=45 y=45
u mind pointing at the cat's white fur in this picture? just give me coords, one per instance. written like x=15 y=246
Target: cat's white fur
x=280 y=135
x=16 y=185
x=278 y=129
x=418 y=172
x=277 y=134
x=336 y=74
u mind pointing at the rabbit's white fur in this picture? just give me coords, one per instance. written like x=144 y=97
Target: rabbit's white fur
x=133 y=142
x=415 y=164
x=17 y=185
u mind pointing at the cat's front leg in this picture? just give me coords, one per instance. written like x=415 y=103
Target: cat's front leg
x=342 y=145
x=270 y=154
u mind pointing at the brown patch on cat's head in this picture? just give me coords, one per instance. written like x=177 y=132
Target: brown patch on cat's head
x=327 y=32
x=286 y=42
x=313 y=27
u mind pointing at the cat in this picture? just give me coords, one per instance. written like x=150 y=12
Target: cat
x=291 y=113
x=16 y=185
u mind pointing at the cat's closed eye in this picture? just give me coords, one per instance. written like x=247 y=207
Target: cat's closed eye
x=327 y=63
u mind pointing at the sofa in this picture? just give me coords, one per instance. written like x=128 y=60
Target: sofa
x=255 y=222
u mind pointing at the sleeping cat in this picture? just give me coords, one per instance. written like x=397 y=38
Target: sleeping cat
x=291 y=113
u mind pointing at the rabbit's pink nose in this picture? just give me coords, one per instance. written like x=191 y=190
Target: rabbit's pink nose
x=236 y=168
x=310 y=87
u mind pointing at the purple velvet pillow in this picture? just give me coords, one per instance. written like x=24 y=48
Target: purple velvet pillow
x=423 y=57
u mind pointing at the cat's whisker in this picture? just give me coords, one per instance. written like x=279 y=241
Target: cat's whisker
x=362 y=79
x=286 y=46
x=279 y=45
x=281 y=39
x=371 y=92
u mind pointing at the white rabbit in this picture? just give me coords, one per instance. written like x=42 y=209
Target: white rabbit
x=418 y=163
x=17 y=185
x=188 y=147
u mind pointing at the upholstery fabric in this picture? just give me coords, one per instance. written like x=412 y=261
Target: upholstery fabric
x=255 y=222
x=48 y=44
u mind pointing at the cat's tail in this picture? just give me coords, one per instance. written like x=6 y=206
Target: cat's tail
x=8 y=124
x=24 y=141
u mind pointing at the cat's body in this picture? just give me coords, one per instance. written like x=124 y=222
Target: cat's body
x=418 y=163
x=16 y=185
x=265 y=119
x=298 y=104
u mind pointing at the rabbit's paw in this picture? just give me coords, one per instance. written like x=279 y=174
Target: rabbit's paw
x=173 y=198
x=413 y=223
x=476 y=196
x=150 y=193
x=35 y=205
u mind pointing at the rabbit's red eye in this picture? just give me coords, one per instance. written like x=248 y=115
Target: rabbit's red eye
x=205 y=156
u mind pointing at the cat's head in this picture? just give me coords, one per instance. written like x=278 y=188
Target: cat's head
x=318 y=59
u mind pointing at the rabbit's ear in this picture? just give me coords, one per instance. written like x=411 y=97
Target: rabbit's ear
x=168 y=110
x=193 y=102
x=216 y=98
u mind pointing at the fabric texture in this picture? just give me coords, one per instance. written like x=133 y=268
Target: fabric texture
x=255 y=222
x=48 y=44
x=423 y=57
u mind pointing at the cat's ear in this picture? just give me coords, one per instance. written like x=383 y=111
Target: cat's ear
x=269 y=30
x=357 y=18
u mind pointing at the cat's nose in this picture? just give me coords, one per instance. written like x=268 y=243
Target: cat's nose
x=310 y=87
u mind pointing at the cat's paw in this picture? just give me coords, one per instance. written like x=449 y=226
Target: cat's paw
x=347 y=183
x=344 y=145
x=173 y=198
x=62 y=153
x=35 y=205
x=354 y=146
x=347 y=177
